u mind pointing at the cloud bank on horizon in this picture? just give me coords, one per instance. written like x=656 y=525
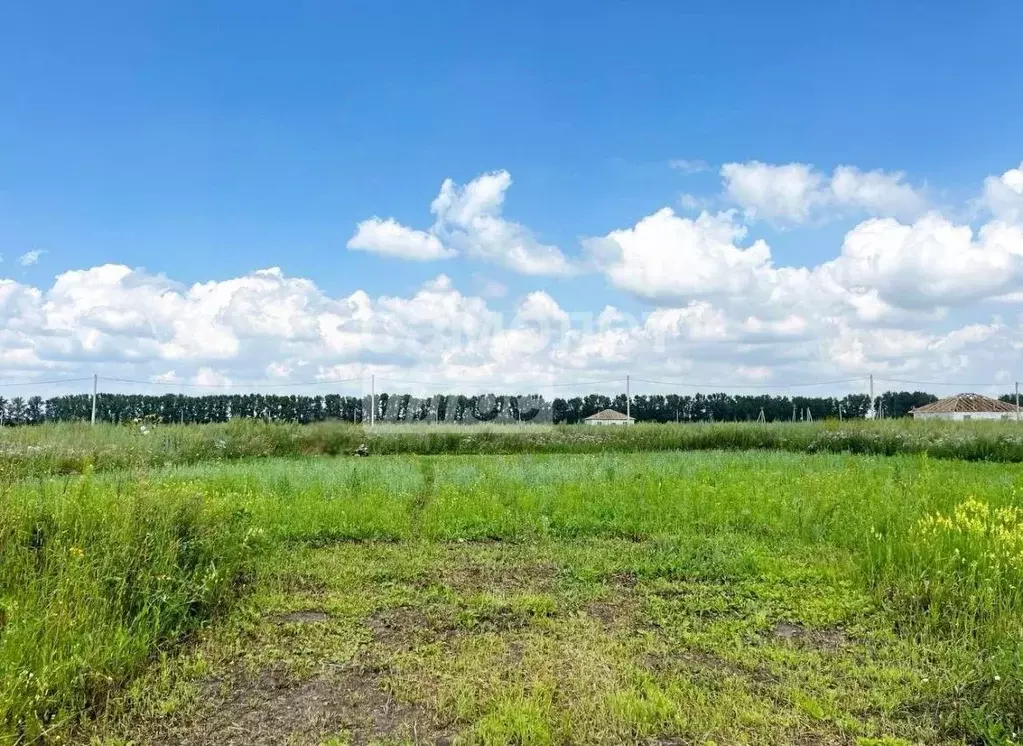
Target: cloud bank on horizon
x=911 y=291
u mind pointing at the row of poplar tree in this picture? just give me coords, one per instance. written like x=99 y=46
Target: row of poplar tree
x=176 y=408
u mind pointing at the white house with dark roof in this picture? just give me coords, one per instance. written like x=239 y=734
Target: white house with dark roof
x=609 y=417
x=966 y=407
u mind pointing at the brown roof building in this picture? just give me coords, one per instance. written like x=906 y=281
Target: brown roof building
x=609 y=417
x=966 y=407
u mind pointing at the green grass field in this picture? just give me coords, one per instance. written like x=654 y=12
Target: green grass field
x=71 y=448
x=612 y=597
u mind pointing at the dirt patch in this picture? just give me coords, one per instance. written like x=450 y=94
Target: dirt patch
x=686 y=659
x=825 y=640
x=406 y=628
x=612 y=615
x=472 y=578
x=267 y=709
x=496 y=619
x=787 y=631
x=702 y=661
x=310 y=616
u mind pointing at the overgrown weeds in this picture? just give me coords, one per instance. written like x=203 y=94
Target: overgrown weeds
x=70 y=448
x=94 y=581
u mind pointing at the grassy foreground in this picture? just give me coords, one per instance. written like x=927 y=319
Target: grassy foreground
x=670 y=598
x=71 y=448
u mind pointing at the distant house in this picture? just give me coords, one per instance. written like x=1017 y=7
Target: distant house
x=966 y=407
x=609 y=417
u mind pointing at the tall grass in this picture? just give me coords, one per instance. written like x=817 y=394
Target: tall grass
x=964 y=567
x=93 y=581
x=69 y=448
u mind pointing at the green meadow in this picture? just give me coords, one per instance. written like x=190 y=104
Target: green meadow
x=744 y=585
x=71 y=448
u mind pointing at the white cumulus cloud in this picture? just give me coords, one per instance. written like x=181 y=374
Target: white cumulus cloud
x=124 y=322
x=902 y=297
x=796 y=193
x=1003 y=195
x=391 y=238
x=884 y=271
x=932 y=262
x=468 y=221
x=668 y=256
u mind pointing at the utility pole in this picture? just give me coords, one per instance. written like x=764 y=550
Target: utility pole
x=372 y=399
x=95 y=386
x=871 y=410
x=1017 y=401
x=628 y=397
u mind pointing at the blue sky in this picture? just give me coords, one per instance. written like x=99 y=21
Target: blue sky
x=203 y=141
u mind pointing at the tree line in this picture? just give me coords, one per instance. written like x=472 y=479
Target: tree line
x=663 y=408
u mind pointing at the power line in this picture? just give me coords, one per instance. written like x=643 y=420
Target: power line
x=424 y=383
x=45 y=383
x=586 y=383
